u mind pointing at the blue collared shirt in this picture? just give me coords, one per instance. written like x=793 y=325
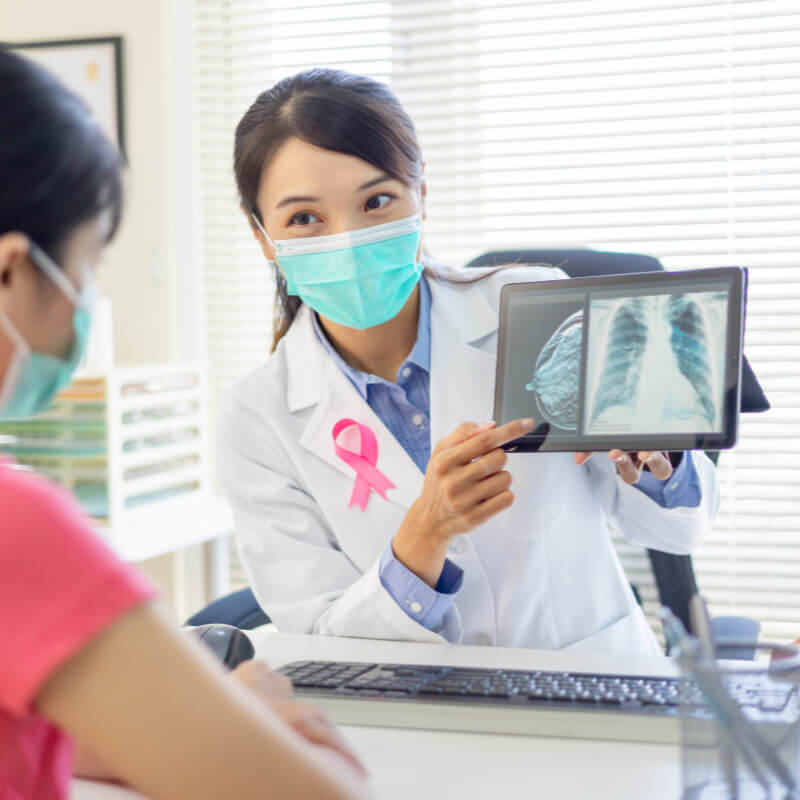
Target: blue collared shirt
x=404 y=407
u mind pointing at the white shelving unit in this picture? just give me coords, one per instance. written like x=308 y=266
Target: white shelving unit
x=132 y=444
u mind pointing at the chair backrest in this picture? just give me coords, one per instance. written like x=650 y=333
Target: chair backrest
x=239 y=609
x=577 y=263
x=584 y=263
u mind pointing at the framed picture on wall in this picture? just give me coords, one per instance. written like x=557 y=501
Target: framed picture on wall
x=92 y=68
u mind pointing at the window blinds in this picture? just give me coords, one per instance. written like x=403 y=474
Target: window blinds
x=668 y=128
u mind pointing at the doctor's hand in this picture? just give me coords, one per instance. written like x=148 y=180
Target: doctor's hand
x=275 y=691
x=631 y=465
x=465 y=485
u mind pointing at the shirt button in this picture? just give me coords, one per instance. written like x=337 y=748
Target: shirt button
x=406 y=372
x=416 y=607
x=418 y=419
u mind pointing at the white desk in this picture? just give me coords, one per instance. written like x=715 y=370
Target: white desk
x=463 y=766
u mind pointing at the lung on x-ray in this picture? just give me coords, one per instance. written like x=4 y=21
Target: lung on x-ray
x=655 y=363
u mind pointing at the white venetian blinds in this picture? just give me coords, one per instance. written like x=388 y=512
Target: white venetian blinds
x=241 y=48
x=670 y=128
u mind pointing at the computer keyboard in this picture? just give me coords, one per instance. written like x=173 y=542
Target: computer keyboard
x=594 y=705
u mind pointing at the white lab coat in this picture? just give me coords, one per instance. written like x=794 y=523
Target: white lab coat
x=542 y=574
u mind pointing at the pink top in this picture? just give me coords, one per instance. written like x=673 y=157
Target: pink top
x=59 y=587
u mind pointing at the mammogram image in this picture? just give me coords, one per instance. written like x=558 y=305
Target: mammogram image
x=655 y=364
x=556 y=376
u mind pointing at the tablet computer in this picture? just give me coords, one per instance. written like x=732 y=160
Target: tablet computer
x=647 y=361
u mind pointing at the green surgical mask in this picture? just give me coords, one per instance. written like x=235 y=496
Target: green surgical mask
x=33 y=379
x=359 y=278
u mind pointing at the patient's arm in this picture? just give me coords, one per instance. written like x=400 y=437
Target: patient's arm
x=89 y=766
x=152 y=708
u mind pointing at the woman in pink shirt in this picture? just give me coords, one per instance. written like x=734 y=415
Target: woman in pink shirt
x=92 y=673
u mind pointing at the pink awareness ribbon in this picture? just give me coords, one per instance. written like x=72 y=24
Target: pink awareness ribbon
x=368 y=476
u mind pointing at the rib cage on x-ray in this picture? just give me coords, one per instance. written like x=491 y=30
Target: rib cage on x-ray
x=625 y=346
x=632 y=324
x=689 y=340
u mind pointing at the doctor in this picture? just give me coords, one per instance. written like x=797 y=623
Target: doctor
x=370 y=495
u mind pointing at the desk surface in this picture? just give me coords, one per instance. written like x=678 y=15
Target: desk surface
x=447 y=764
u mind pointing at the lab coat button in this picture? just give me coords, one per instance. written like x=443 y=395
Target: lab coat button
x=416 y=607
x=458 y=545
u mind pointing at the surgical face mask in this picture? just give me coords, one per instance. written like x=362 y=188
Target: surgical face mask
x=33 y=379
x=359 y=278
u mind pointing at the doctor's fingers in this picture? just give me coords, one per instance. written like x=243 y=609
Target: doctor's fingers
x=489 y=508
x=658 y=463
x=464 y=431
x=484 y=490
x=628 y=468
x=483 y=442
x=489 y=464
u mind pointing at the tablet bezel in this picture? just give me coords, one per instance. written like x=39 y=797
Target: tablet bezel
x=737 y=280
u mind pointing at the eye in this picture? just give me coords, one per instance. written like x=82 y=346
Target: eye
x=304 y=218
x=378 y=201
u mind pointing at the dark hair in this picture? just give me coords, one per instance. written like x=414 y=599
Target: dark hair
x=333 y=110
x=57 y=167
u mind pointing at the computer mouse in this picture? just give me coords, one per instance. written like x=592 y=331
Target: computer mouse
x=230 y=645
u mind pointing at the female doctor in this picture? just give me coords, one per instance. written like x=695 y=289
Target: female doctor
x=370 y=493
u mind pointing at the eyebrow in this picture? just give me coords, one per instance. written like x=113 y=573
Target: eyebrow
x=375 y=181
x=297 y=199
x=309 y=199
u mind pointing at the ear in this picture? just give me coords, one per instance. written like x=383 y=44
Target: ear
x=266 y=247
x=14 y=248
x=423 y=193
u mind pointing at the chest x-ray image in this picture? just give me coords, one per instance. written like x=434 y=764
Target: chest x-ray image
x=655 y=363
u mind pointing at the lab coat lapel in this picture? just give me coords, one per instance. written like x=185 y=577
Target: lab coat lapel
x=462 y=374
x=314 y=379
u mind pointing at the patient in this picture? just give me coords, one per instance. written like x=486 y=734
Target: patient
x=92 y=673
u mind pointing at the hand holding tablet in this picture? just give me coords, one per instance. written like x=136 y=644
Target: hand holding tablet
x=630 y=465
x=642 y=363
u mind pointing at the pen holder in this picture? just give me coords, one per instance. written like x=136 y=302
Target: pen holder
x=750 y=750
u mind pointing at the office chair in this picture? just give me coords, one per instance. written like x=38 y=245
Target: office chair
x=674 y=574
x=239 y=609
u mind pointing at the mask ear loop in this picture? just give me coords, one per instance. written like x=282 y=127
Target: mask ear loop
x=271 y=261
x=49 y=267
x=21 y=354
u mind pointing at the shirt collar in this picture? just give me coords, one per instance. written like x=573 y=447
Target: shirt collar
x=420 y=354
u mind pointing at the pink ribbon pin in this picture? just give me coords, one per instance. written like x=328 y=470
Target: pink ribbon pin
x=368 y=476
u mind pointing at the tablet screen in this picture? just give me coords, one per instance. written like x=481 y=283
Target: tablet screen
x=636 y=361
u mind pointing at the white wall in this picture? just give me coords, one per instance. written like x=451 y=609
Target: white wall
x=150 y=270
x=152 y=254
